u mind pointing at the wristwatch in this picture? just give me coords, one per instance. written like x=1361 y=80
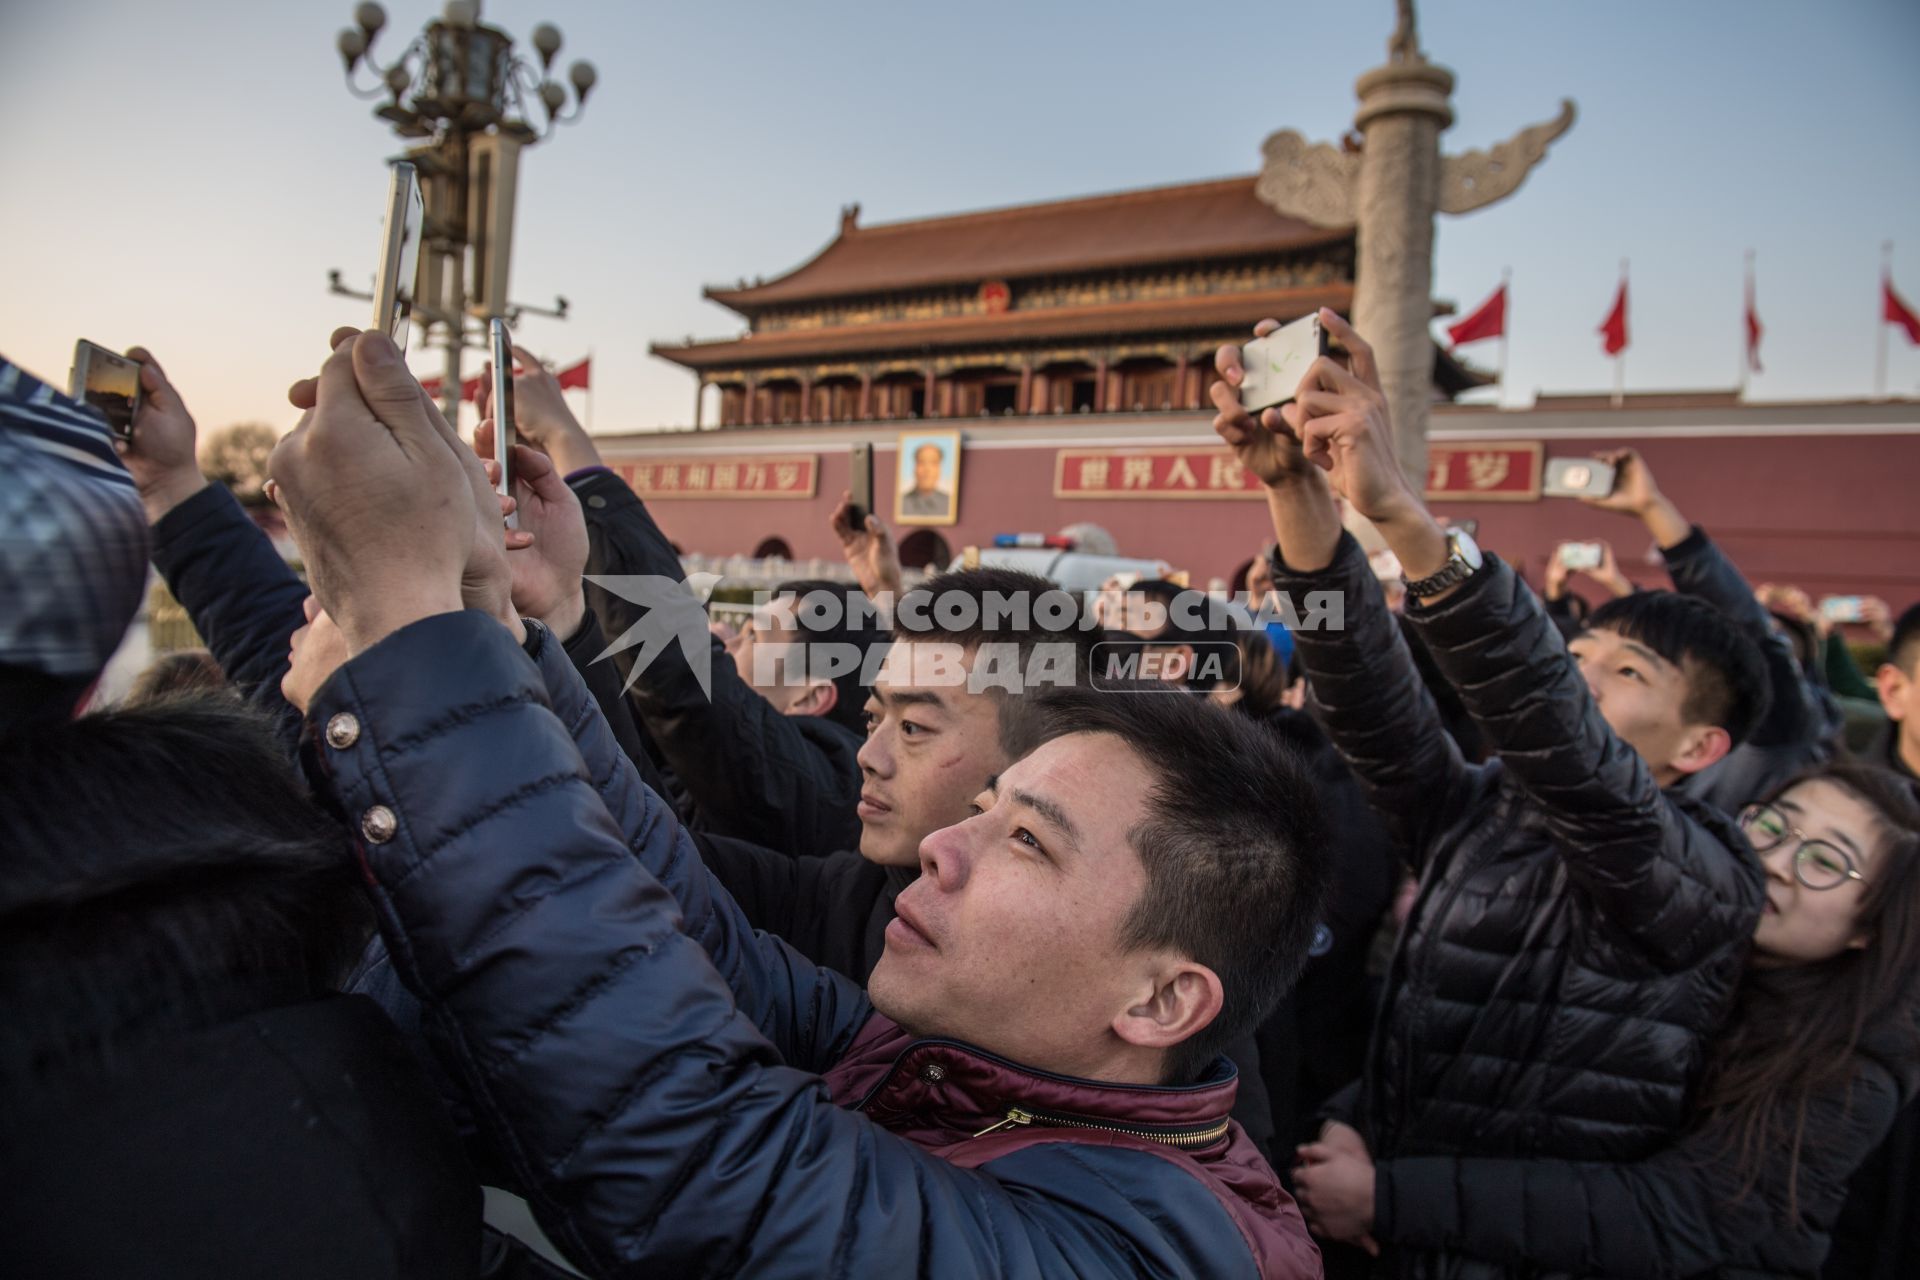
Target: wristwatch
x=1464 y=560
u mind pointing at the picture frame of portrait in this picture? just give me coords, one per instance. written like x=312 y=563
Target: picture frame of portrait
x=926 y=478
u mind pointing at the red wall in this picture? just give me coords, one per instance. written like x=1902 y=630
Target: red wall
x=1835 y=514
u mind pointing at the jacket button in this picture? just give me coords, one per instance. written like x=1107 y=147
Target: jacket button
x=932 y=1073
x=343 y=731
x=596 y=502
x=378 y=824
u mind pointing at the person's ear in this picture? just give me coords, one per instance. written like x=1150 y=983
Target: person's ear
x=1702 y=745
x=1894 y=688
x=819 y=698
x=1181 y=999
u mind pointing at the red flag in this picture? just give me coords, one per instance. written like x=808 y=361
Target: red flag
x=1613 y=330
x=1894 y=310
x=469 y=387
x=1753 y=326
x=575 y=375
x=1489 y=320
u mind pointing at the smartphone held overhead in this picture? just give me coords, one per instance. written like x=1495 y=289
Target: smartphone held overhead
x=399 y=265
x=1581 y=556
x=1577 y=478
x=107 y=381
x=1275 y=364
x=860 y=484
x=501 y=345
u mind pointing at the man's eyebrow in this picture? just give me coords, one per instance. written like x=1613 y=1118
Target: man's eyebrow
x=1646 y=653
x=905 y=697
x=993 y=783
x=1052 y=812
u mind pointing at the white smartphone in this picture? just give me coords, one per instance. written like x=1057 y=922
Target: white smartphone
x=1581 y=556
x=399 y=265
x=1577 y=478
x=503 y=433
x=1275 y=364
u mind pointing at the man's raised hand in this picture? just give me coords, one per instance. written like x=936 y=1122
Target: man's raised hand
x=160 y=456
x=374 y=486
x=541 y=417
x=1341 y=419
x=546 y=574
x=869 y=549
x=1265 y=446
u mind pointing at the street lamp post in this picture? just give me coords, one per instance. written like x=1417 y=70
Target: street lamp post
x=460 y=87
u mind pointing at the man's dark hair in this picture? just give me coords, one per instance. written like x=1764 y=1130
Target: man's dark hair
x=847 y=628
x=983 y=595
x=1194 y=618
x=163 y=868
x=1903 y=651
x=1726 y=676
x=173 y=675
x=1235 y=845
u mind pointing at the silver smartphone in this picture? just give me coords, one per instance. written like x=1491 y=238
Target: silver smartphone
x=1275 y=364
x=1577 y=478
x=108 y=381
x=503 y=432
x=399 y=265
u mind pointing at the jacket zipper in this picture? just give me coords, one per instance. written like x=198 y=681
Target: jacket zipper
x=1193 y=1138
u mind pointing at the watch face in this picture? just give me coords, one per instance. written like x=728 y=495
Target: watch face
x=1466 y=548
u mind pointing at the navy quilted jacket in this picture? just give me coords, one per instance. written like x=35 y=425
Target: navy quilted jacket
x=647 y=1066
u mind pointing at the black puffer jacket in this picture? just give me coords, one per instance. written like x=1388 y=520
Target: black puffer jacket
x=1577 y=933
x=1686 y=1211
x=742 y=768
x=1802 y=722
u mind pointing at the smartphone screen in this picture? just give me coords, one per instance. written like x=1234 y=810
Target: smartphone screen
x=503 y=423
x=108 y=382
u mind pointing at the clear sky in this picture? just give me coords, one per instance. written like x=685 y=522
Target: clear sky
x=184 y=175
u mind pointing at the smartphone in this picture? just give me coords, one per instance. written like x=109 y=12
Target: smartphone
x=1275 y=364
x=399 y=255
x=109 y=382
x=503 y=432
x=1581 y=555
x=860 y=483
x=1577 y=478
x=1843 y=609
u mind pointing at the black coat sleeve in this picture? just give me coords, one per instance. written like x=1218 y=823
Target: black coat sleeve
x=1363 y=686
x=1679 y=884
x=243 y=599
x=1681 y=1212
x=749 y=771
x=603 y=682
x=821 y=907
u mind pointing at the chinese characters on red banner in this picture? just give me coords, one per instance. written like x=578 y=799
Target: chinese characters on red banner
x=788 y=475
x=1151 y=473
x=1500 y=472
x=1483 y=472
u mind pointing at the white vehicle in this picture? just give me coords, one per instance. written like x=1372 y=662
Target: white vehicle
x=1072 y=570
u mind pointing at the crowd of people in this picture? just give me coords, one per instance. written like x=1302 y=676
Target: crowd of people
x=974 y=929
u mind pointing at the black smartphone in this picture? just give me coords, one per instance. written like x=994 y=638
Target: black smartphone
x=503 y=433
x=108 y=381
x=860 y=482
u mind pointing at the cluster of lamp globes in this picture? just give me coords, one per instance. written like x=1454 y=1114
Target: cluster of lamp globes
x=354 y=42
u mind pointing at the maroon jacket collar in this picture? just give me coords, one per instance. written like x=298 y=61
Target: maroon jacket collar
x=970 y=1107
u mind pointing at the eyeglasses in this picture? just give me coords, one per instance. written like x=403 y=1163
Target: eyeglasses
x=1818 y=864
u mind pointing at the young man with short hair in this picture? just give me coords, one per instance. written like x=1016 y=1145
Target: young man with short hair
x=1579 y=926
x=1898 y=683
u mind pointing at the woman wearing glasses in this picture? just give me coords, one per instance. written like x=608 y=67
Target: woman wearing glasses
x=1820 y=1054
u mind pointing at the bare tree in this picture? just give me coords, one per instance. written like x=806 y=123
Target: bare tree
x=237 y=456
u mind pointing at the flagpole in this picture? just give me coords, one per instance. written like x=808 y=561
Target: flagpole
x=1506 y=323
x=1886 y=283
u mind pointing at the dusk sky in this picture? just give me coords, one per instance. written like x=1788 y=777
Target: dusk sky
x=183 y=176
